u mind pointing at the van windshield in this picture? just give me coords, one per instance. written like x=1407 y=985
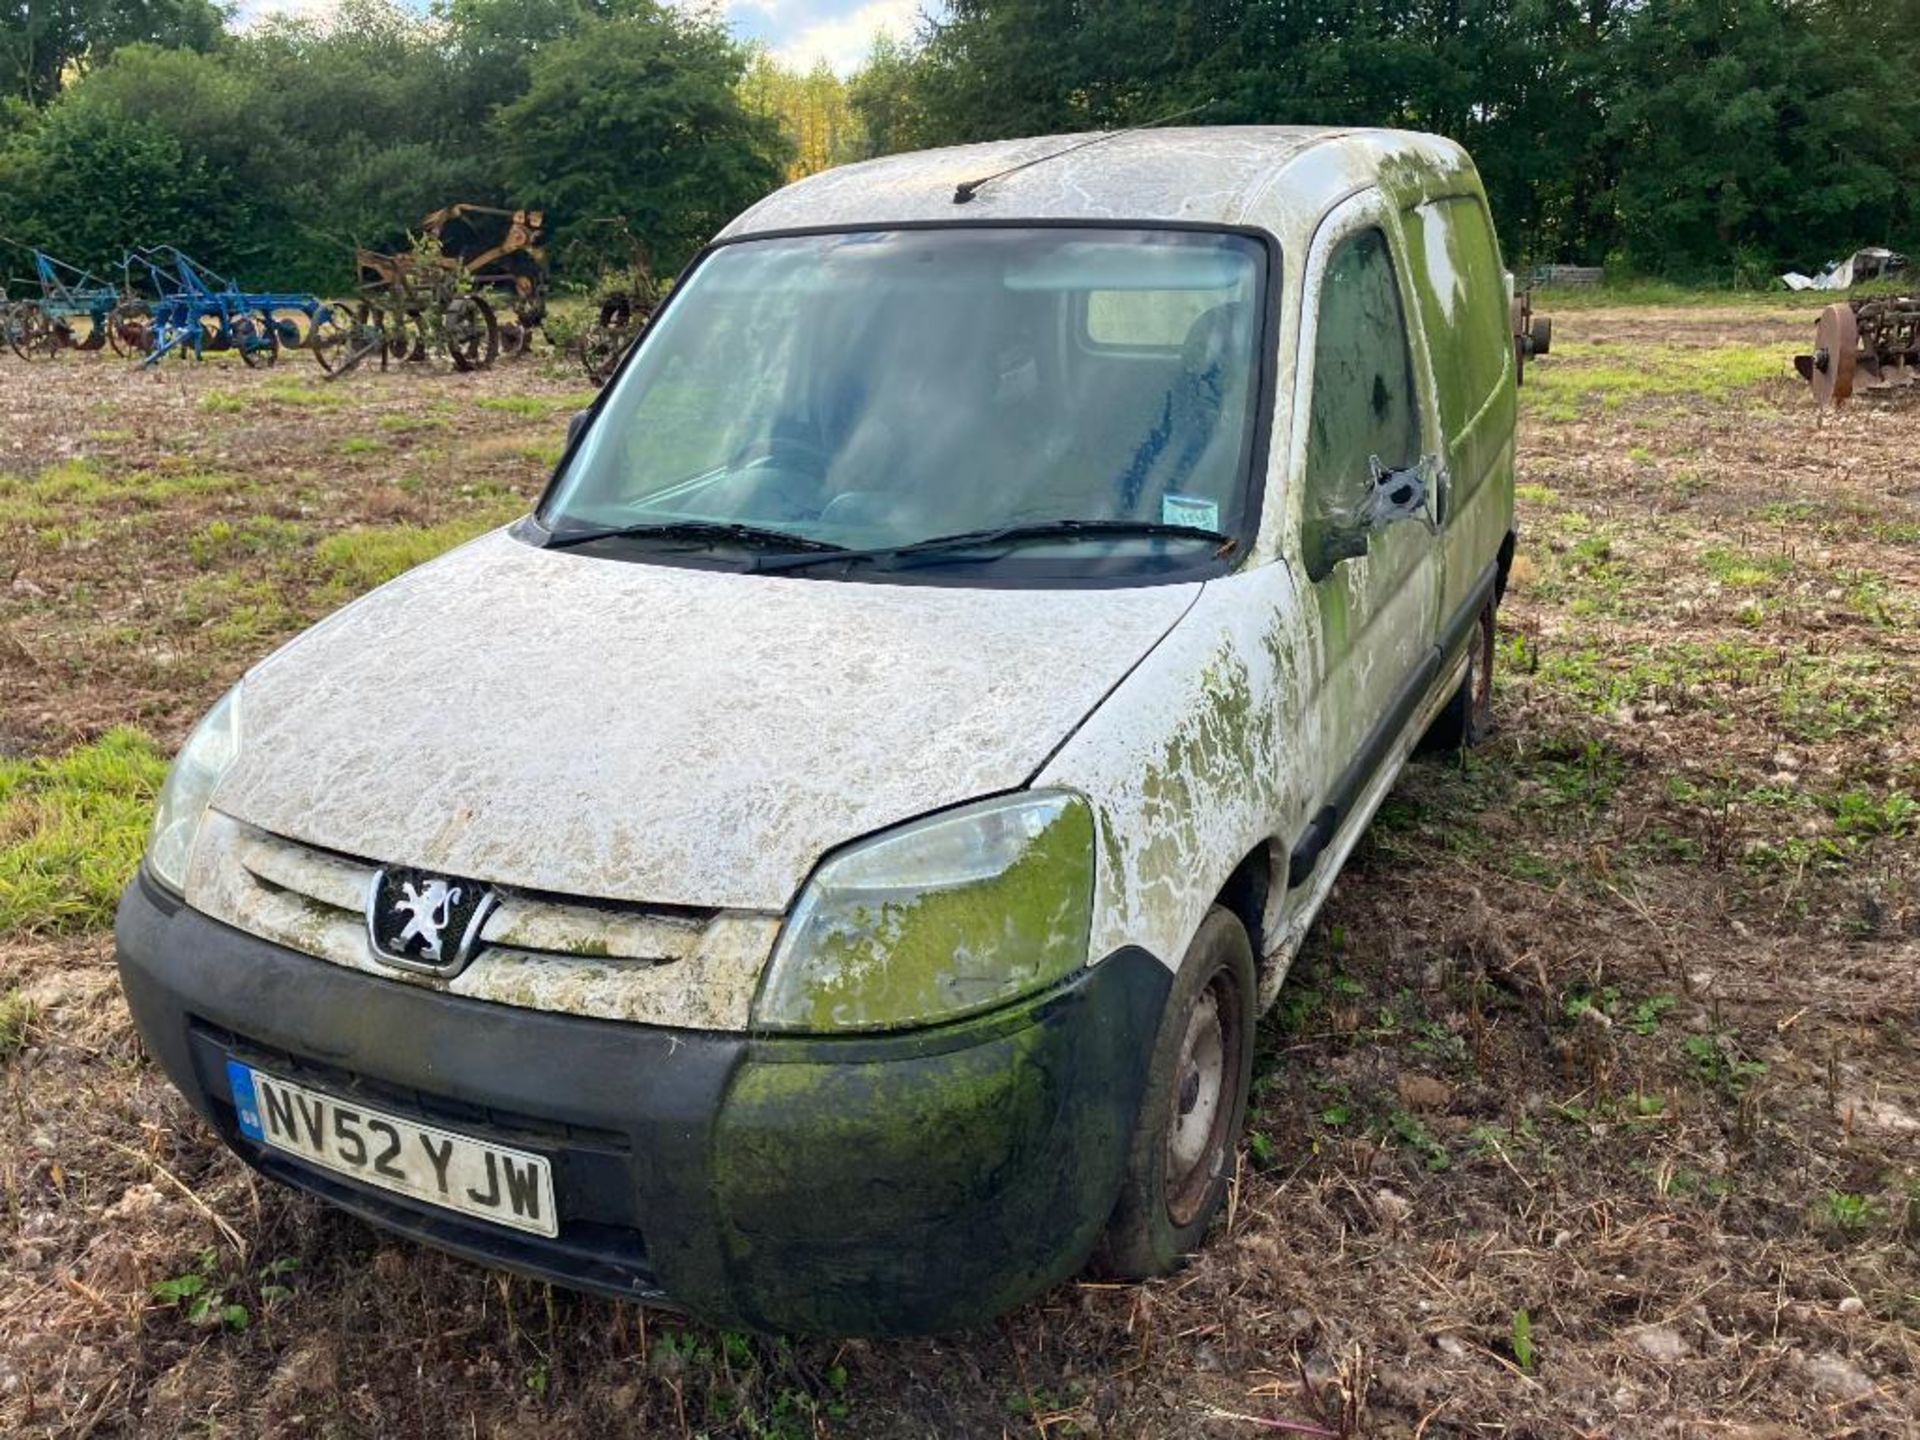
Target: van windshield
x=877 y=389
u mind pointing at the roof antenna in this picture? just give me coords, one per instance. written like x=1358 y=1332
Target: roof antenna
x=967 y=189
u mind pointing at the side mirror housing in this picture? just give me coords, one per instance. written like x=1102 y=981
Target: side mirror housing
x=1391 y=496
x=1396 y=495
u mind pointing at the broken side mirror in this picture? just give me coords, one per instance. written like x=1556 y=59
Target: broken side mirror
x=576 y=424
x=1391 y=496
x=1398 y=494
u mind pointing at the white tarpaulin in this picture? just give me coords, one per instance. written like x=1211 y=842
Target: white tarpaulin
x=1868 y=264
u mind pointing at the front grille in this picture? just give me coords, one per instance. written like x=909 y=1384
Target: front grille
x=653 y=964
x=336 y=886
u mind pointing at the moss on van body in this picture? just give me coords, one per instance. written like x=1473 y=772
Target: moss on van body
x=929 y=1180
x=949 y=952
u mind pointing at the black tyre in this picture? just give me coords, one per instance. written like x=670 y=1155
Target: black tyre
x=1468 y=716
x=1192 y=1111
x=471 y=333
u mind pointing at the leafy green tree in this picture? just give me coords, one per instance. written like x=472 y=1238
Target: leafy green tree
x=640 y=117
x=81 y=153
x=1754 y=131
x=885 y=99
x=41 y=41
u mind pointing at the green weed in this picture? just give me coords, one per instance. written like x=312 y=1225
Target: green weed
x=222 y=402
x=1862 y=812
x=359 y=560
x=1648 y=1014
x=1743 y=569
x=196 y=1295
x=1587 y=375
x=1579 y=774
x=72 y=829
x=1524 y=1354
x=538 y=407
x=1716 y=1059
x=292 y=392
x=406 y=424
x=1848 y=1212
x=16 y=1018
x=1413 y=1133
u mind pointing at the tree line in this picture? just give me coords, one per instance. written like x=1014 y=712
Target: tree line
x=1718 y=140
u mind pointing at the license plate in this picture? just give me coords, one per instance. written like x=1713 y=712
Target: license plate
x=457 y=1172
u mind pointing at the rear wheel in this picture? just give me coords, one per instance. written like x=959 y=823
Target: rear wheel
x=1468 y=716
x=471 y=332
x=1182 y=1157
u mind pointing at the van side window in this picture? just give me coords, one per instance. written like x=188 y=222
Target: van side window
x=1363 y=407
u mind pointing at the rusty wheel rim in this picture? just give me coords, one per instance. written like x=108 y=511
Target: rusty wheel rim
x=1483 y=673
x=1836 y=346
x=1201 y=1101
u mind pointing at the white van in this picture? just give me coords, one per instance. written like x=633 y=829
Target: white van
x=823 y=868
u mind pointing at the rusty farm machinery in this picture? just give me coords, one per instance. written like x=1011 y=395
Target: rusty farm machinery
x=1868 y=344
x=472 y=284
x=66 y=309
x=625 y=295
x=412 y=305
x=473 y=287
x=502 y=254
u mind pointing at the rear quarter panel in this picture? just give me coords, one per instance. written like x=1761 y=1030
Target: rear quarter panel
x=1461 y=326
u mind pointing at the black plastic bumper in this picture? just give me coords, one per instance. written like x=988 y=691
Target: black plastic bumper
x=916 y=1182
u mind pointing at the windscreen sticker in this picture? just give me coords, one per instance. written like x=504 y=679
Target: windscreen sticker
x=1189 y=510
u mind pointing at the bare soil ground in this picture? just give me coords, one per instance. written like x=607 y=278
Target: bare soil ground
x=1592 y=1107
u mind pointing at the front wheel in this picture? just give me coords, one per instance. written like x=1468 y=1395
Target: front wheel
x=1181 y=1160
x=130 y=329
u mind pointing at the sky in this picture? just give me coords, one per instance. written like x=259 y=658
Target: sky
x=800 y=32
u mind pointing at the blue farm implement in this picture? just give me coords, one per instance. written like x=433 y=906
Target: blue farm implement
x=69 y=312
x=182 y=307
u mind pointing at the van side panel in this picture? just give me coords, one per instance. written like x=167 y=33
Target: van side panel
x=1463 y=314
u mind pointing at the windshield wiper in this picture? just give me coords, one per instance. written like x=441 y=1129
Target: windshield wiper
x=1009 y=535
x=712 y=531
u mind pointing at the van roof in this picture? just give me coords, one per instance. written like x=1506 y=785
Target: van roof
x=1219 y=175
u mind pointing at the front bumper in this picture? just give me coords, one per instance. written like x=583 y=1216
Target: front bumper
x=881 y=1185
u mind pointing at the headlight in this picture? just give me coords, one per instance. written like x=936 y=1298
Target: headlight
x=938 y=919
x=207 y=755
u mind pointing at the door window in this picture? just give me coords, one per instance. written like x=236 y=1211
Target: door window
x=1363 y=416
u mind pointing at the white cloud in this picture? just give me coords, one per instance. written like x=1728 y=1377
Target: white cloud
x=800 y=32
x=843 y=41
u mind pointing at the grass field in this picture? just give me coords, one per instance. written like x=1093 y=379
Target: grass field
x=1592 y=1107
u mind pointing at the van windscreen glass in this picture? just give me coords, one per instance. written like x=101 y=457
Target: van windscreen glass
x=877 y=390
